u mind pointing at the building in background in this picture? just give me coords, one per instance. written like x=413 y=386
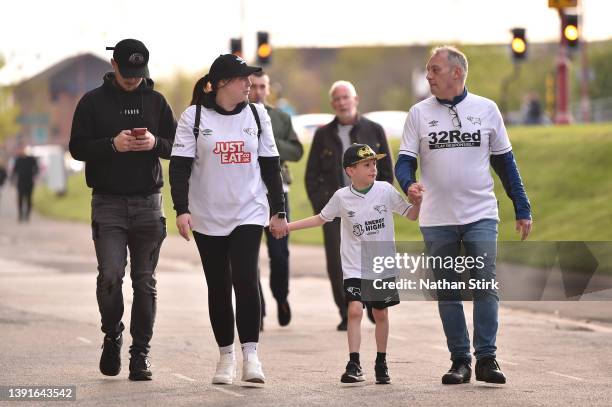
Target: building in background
x=48 y=99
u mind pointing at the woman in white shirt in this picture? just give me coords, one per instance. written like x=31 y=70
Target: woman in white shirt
x=226 y=187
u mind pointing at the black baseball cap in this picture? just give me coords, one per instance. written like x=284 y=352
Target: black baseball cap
x=228 y=66
x=357 y=153
x=132 y=58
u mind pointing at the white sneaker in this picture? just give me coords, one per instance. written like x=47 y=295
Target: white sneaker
x=251 y=370
x=226 y=370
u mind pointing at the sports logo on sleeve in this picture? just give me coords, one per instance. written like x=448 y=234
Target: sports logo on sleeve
x=232 y=152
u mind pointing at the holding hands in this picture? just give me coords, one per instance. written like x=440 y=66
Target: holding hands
x=278 y=227
x=415 y=193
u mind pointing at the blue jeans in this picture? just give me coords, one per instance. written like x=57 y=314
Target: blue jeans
x=478 y=238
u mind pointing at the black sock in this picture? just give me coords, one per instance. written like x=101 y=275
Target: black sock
x=354 y=357
x=381 y=357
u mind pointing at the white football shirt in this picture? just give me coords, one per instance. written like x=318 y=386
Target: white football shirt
x=225 y=188
x=454 y=160
x=364 y=218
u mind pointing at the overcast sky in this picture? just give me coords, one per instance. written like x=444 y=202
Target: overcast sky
x=188 y=34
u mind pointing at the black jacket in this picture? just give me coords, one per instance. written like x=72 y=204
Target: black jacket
x=25 y=170
x=100 y=115
x=324 y=172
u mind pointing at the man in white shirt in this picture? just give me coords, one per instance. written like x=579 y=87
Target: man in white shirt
x=458 y=136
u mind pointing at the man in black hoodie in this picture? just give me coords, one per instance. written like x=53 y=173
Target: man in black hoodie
x=120 y=130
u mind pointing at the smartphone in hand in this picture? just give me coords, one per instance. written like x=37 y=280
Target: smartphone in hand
x=139 y=131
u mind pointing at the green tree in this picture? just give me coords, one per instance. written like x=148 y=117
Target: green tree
x=8 y=112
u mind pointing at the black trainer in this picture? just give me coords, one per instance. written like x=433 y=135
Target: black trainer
x=353 y=373
x=110 y=361
x=382 y=373
x=284 y=314
x=342 y=326
x=460 y=372
x=488 y=370
x=140 y=367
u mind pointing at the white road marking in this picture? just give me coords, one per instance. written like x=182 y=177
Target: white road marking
x=84 y=340
x=507 y=362
x=438 y=347
x=231 y=393
x=566 y=376
x=399 y=338
x=180 y=376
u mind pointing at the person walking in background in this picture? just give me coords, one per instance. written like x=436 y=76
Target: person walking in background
x=325 y=175
x=25 y=169
x=121 y=130
x=3 y=177
x=289 y=149
x=224 y=161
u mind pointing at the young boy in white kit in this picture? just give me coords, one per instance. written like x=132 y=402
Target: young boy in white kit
x=366 y=210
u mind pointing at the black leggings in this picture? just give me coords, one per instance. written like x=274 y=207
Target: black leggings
x=232 y=260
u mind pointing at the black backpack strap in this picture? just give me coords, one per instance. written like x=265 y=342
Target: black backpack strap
x=196 y=124
x=254 y=110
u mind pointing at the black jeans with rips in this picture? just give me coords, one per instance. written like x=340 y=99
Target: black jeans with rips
x=121 y=224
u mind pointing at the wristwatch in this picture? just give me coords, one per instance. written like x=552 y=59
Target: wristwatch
x=281 y=215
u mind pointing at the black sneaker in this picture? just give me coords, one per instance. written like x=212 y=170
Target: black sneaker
x=353 y=373
x=342 y=326
x=382 y=373
x=284 y=314
x=110 y=361
x=488 y=370
x=140 y=367
x=460 y=372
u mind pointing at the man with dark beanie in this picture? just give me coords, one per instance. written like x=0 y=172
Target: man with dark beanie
x=121 y=130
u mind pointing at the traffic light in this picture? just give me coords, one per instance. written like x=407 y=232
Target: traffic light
x=264 y=50
x=519 y=44
x=236 y=46
x=570 y=30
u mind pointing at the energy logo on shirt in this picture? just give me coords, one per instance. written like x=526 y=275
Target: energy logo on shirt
x=370 y=227
x=232 y=152
x=453 y=139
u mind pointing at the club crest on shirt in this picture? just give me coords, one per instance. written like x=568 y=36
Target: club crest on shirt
x=357 y=230
x=474 y=120
x=232 y=152
x=250 y=131
x=380 y=209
